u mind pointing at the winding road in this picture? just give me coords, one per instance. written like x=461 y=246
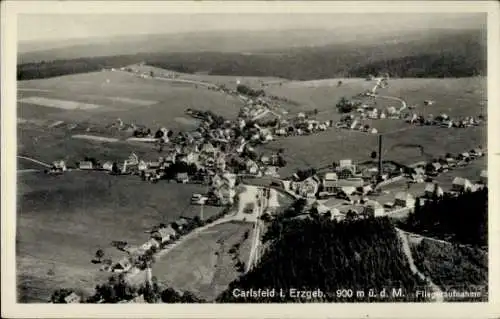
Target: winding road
x=437 y=293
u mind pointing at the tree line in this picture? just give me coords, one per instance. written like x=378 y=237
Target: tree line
x=457 y=55
x=462 y=219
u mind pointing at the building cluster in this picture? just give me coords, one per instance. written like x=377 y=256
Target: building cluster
x=421 y=171
x=443 y=120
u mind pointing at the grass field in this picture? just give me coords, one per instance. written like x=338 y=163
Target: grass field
x=63 y=220
x=142 y=101
x=204 y=265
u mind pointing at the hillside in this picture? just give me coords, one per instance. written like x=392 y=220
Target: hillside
x=436 y=54
x=330 y=256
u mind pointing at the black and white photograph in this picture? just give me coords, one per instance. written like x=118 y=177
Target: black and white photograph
x=234 y=157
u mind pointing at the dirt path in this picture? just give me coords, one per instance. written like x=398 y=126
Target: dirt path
x=34 y=161
x=437 y=292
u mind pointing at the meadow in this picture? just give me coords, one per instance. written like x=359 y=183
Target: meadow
x=62 y=221
x=121 y=95
x=204 y=264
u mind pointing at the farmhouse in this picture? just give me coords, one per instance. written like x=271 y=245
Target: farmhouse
x=85 y=165
x=404 y=199
x=72 y=298
x=164 y=234
x=58 y=166
x=433 y=189
x=461 y=185
x=123 y=265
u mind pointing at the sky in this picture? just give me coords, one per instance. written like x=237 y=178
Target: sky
x=34 y=27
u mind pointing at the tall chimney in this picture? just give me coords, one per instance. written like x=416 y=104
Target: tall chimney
x=380 y=155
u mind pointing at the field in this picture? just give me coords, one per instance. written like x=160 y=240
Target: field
x=204 y=265
x=119 y=94
x=63 y=220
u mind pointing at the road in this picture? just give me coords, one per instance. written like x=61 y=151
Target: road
x=254 y=252
x=435 y=290
x=34 y=161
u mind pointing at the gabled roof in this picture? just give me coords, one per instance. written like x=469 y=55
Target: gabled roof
x=166 y=231
x=484 y=173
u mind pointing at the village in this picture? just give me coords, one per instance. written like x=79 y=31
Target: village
x=224 y=154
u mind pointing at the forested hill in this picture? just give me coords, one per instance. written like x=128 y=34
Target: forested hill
x=441 y=54
x=330 y=256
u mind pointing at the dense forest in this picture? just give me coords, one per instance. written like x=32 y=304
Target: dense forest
x=334 y=257
x=443 y=55
x=462 y=219
x=453 y=267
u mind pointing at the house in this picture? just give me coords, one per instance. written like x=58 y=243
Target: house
x=265 y=159
x=182 y=178
x=477 y=187
x=181 y=223
x=433 y=168
x=208 y=148
x=72 y=298
x=271 y=171
x=164 y=234
x=309 y=186
x=433 y=189
x=365 y=189
x=348 y=190
x=85 y=165
x=330 y=182
x=59 y=166
x=464 y=156
x=483 y=177
x=461 y=185
x=149 y=244
x=476 y=152
x=123 y=265
x=251 y=167
x=108 y=166
x=374 y=209
x=404 y=199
